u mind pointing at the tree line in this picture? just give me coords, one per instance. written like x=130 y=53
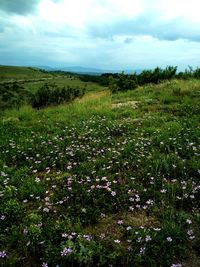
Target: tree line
x=123 y=82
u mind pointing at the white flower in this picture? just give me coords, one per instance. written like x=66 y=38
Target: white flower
x=37 y=179
x=148 y=238
x=169 y=239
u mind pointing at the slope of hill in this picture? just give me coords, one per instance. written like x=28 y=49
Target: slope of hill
x=13 y=73
x=106 y=180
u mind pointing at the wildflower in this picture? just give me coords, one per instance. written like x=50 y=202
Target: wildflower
x=117 y=241
x=102 y=236
x=66 y=251
x=45 y=210
x=156 y=229
x=87 y=237
x=149 y=202
x=3 y=254
x=64 y=235
x=83 y=210
x=163 y=191
x=169 y=239
x=44 y=264
x=128 y=228
x=176 y=265
x=142 y=250
x=190 y=232
x=148 y=238
x=25 y=231
x=2 y=217
x=37 y=179
x=129 y=248
x=120 y=222
x=113 y=193
x=139 y=239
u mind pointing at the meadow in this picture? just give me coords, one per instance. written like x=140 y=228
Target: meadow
x=106 y=180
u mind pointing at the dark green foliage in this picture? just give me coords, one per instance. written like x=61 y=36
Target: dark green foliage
x=123 y=82
x=157 y=75
x=102 y=79
x=51 y=94
x=13 y=95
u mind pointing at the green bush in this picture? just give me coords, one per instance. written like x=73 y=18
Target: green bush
x=123 y=82
x=13 y=95
x=53 y=95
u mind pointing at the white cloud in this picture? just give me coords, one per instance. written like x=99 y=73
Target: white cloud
x=102 y=33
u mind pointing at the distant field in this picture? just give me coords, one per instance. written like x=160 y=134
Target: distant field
x=18 y=73
x=33 y=78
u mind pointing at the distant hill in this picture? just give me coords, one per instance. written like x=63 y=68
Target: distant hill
x=86 y=70
x=21 y=73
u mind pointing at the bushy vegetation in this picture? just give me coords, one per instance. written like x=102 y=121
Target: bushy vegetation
x=124 y=82
x=102 y=79
x=51 y=94
x=111 y=180
x=13 y=96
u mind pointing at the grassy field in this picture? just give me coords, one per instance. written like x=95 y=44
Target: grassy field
x=107 y=180
x=9 y=73
x=33 y=78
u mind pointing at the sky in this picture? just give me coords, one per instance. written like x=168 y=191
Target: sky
x=103 y=34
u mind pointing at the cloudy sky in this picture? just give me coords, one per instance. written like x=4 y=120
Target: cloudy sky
x=106 y=34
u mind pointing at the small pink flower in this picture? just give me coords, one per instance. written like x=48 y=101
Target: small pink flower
x=113 y=193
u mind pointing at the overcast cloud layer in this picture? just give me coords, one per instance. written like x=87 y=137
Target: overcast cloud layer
x=107 y=34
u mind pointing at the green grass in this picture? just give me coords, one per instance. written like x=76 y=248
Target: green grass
x=19 y=73
x=105 y=180
x=65 y=81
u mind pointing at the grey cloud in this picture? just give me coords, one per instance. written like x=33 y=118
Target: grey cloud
x=20 y=7
x=148 y=25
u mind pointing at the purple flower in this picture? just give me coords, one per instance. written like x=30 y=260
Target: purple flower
x=45 y=210
x=44 y=264
x=3 y=254
x=87 y=237
x=142 y=250
x=66 y=251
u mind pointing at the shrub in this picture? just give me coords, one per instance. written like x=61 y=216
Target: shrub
x=54 y=95
x=13 y=95
x=123 y=82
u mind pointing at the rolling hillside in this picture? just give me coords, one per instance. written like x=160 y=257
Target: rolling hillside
x=109 y=179
x=12 y=73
